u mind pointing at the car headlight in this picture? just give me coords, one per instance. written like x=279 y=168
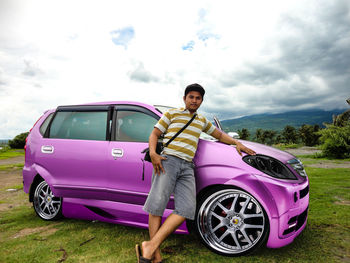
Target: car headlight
x=270 y=166
x=298 y=166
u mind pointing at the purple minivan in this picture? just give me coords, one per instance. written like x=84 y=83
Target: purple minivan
x=86 y=162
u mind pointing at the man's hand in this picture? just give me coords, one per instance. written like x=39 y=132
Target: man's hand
x=156 y=158
x=157 y=163
x=223 y=137
x=240 y=147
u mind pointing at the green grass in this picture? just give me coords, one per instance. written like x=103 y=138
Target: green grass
x=8 y=167
x=325 y=239
x=283 y=146
x=8 y=153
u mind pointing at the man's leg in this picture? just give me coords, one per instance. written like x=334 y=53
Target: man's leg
x=168 y=227
x=154 y=223
x=161 y=189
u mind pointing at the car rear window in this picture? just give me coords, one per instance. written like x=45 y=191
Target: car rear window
x=79 y=125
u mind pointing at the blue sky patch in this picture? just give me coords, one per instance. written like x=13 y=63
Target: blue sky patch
x=202 y=14
x=206 y=34
x=189 y=46
x=122 y=37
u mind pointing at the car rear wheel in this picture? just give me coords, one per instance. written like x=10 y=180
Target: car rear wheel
x=46 y=205
x=231 y=222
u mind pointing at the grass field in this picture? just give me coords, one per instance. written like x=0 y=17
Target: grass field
x=26 y=238
x=6 y=153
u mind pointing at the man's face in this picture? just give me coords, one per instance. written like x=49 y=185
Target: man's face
x=193 y=100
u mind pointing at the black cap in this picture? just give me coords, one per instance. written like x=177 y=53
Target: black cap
x=195 y=87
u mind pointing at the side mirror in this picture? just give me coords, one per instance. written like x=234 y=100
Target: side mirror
x=234 y=135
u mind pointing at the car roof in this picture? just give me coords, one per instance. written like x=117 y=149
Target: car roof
x=118 y=102
x=150 y=107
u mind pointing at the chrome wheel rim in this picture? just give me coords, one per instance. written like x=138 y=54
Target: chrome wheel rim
x=231 y=221
x=45 y=203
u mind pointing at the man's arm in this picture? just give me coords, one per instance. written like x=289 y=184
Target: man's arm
x=156 y=158
x=225 y=138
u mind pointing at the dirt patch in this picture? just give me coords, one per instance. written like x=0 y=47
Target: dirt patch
x=9 y=179
x=14 y=197
x=329 y=164
x=12 y=160
x=305 y=150
x=44 y=231
x=11 y=200
x=49 y=232
x=341 y=201
x=308 y=162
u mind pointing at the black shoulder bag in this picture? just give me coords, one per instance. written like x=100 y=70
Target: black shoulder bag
x=160 y=145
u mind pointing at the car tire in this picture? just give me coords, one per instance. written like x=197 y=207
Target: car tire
x=231 y=222
x=46 y=205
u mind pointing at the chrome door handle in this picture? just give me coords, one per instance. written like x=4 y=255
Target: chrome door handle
x=117 y=153
x=47 y=149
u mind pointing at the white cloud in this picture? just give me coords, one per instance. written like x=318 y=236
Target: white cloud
x=251 y=56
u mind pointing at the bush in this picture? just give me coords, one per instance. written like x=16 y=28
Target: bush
x=308 y=134
x=289 y=134
x=268 y=137
x=258 y=135
x=19 y=141
x=244 y=134
x=5 y=148
x=335 y=141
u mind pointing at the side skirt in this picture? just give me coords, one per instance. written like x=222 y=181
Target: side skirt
x=111 y=212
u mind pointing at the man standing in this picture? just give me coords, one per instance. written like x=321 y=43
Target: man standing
x=173 y=170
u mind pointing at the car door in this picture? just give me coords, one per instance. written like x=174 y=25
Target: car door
x=129 y=176
x=74 y=151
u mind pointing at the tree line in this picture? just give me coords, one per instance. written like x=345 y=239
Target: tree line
x=306 y=134
x=334 y=139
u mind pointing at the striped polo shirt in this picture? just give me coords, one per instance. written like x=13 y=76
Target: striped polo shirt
x=185 y=144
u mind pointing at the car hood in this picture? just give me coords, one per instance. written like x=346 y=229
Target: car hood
x=216 y=153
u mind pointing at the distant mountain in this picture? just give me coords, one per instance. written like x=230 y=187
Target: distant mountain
x=278 y=121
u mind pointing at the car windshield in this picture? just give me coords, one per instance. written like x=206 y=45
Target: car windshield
x=203 y=135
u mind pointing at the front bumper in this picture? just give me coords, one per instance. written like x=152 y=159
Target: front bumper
x=292 y=202
x=290 y=233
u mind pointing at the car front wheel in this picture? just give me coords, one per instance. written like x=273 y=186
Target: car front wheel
x=46 y=205
x=231 y=222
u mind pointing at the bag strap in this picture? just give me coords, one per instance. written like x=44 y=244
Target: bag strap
x=184 y=127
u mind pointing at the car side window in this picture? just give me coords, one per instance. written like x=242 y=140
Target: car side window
x=88 y=125
x=133 y=126
x=44 y=125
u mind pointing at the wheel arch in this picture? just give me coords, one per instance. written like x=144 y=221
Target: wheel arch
x=41 y=174
x=213 y=176
x=36 y=181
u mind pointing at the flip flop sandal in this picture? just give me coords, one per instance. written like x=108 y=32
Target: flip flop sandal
x=140 y=258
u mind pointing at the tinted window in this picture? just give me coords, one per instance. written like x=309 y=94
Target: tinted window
x=79 y=125
x=134 y=126
x=45 y=124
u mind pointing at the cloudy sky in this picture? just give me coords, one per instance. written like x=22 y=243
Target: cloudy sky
x=251 y=56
